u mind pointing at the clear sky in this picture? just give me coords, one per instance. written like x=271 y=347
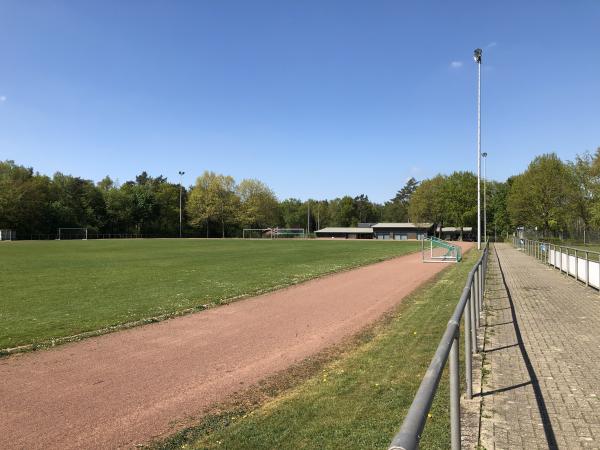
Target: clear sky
x=316 y=98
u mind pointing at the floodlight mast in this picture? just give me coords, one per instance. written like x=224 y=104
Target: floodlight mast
x=181 y=174
x=308 y=219
x=477 y=57
x=484 y=156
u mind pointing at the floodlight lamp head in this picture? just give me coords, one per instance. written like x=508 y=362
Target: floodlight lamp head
x=477 y=55
x=181 y=172
x=484 y=154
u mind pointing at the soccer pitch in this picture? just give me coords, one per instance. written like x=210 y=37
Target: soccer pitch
x=53 y=289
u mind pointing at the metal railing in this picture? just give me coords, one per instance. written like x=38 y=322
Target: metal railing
x=469 y=306
x=583 y=265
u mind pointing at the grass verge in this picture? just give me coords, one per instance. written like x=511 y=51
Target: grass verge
x=354 y=396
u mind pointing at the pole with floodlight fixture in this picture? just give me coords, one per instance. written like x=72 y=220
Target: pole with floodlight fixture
x=477 y=57
x=484 y=156
x=181 y=174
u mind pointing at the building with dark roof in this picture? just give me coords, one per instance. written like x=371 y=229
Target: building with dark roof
x=382 y=231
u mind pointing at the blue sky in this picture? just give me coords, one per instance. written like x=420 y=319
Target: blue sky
x=316 y=98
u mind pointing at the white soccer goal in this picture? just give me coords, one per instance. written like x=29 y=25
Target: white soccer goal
x=256 y=233
x=72 y=233
x=8 y=235
x=438 y=250
x=273 y=233
x=286 y=233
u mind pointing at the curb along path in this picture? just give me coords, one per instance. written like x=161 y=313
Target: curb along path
x=541 y=382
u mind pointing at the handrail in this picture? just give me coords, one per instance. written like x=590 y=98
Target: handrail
x=550 y=244
x=541 y=251
x=469 y=306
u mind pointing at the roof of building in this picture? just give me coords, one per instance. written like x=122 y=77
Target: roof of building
x=344 y=230
x=402 y=225
x=455 y=229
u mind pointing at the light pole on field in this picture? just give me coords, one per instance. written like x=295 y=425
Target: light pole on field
x=484 y=156
x=477 y=57
x=308 y=219
x=181 y=174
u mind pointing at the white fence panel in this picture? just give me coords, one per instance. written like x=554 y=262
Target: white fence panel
x=572 y=264
x=581 y=269
x=552 y=259
x=594 y=274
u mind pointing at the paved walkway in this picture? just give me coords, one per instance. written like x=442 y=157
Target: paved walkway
x=541 y=382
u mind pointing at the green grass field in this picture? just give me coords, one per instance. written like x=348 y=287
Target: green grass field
x=359 y=399
x=53 y=289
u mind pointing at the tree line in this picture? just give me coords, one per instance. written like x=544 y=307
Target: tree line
x=551 y=196
x=35 y=204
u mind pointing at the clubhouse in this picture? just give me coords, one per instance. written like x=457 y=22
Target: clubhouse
x=394 y=231
x=383 y=231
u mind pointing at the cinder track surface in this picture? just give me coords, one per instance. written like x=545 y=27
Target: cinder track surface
x=125 y=388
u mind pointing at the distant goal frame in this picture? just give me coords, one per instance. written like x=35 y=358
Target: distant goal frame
x=61 y=229
x=274 y=233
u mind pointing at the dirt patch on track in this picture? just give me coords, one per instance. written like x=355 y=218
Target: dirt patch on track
x=128 y=387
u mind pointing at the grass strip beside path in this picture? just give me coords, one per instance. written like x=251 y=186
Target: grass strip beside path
x=359 y=399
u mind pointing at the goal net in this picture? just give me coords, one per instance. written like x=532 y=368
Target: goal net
x=256 y=233
x=288 y=233
x=438 y=250
x=273 y=233
x=72 y=233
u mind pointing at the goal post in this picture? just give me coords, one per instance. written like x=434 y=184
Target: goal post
x=72 y=233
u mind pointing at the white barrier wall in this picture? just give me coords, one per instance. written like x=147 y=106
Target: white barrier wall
x=576 y=267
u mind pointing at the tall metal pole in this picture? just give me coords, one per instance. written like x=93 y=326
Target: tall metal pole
x=308 y=219
x=477 y=56
x=318 y=216
x=181 y=173
x=484 y=154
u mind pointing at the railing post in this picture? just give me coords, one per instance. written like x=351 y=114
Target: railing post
x=480 y=288
x=454 y=395
x=474 y=346
x=484 y=265
x=568 y=263
x=468 y=350
x=476 y=286
x=576 y=266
